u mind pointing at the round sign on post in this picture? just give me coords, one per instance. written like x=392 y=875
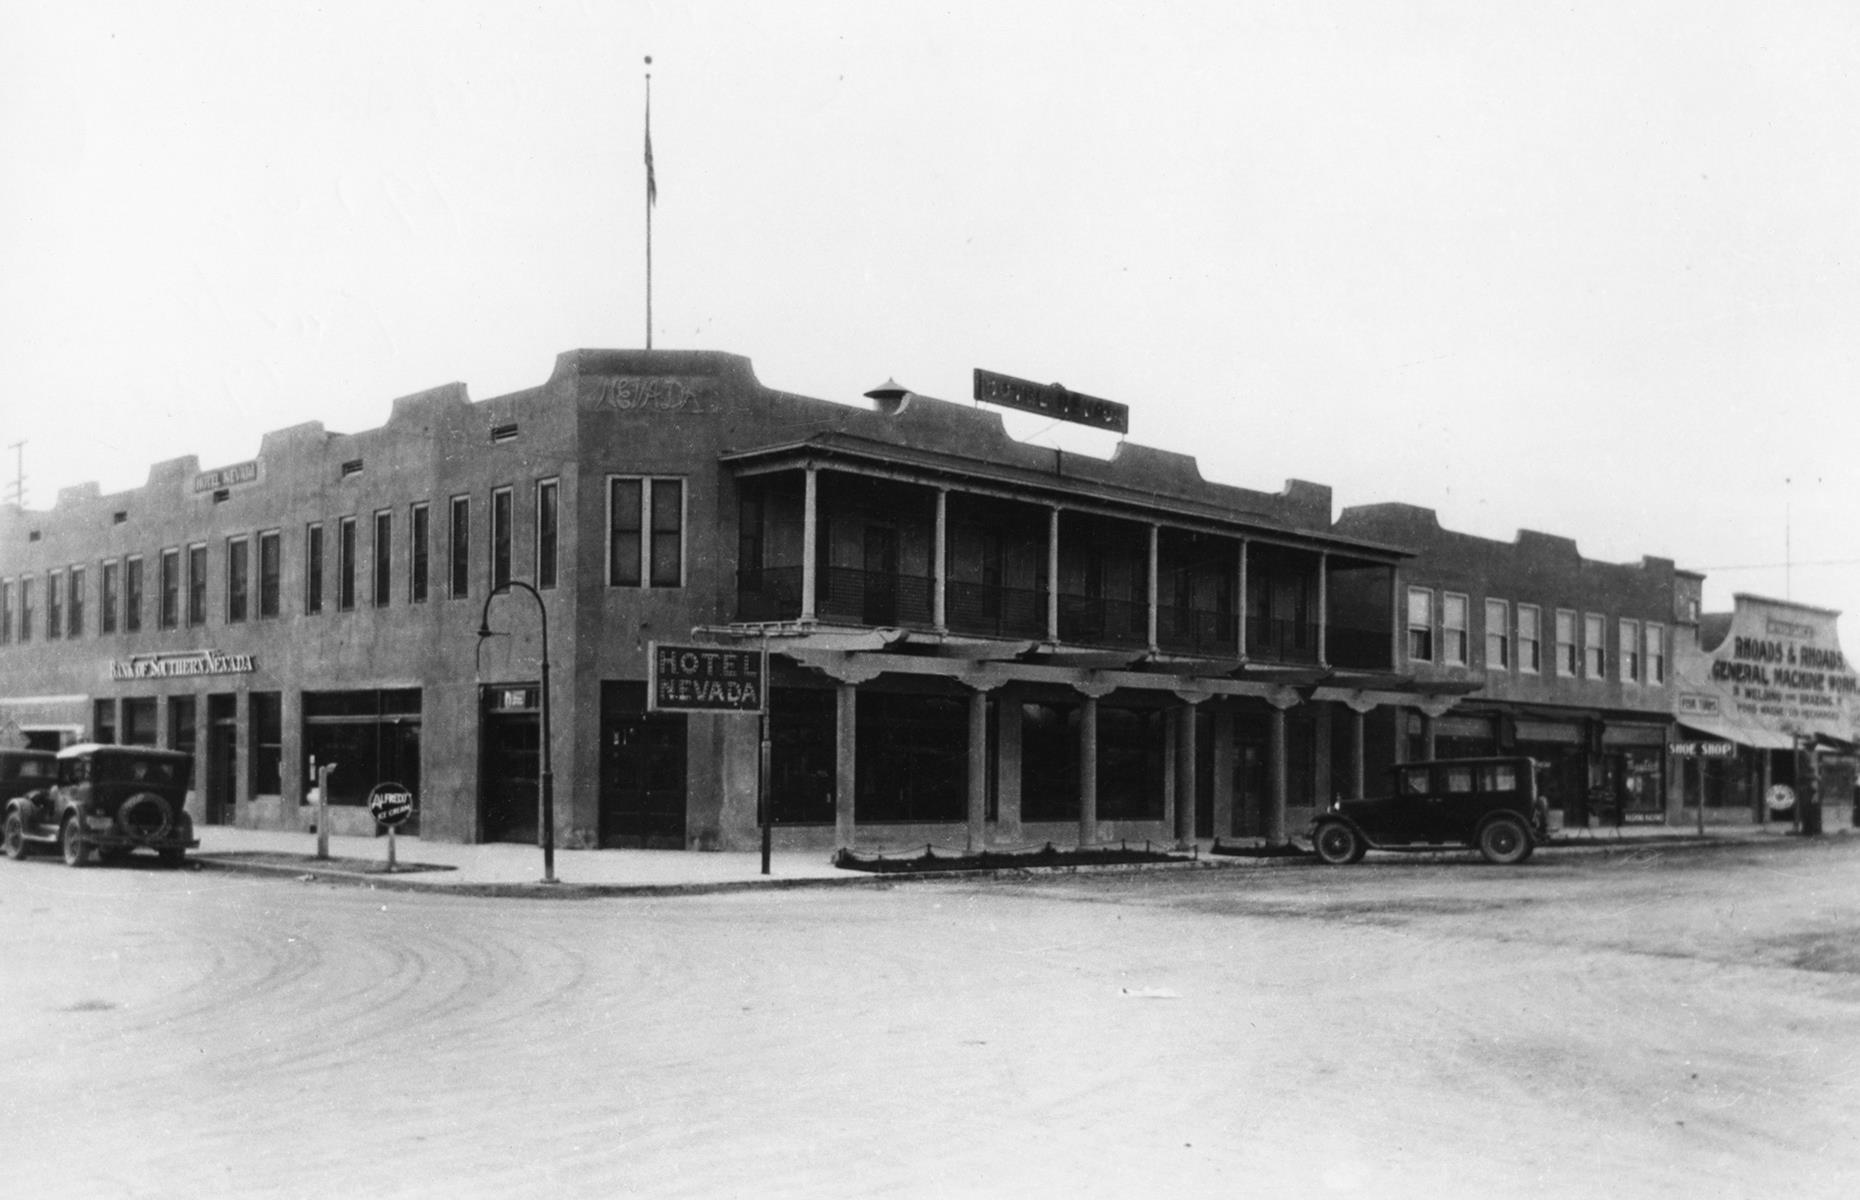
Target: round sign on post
x=1780 y=797
x=391 y=805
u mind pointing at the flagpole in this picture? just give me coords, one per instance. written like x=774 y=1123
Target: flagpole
x=651 y=195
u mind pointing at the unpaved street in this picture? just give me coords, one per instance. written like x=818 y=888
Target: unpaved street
x=1634 y=1024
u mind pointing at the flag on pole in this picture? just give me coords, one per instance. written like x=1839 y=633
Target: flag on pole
x=652 y=183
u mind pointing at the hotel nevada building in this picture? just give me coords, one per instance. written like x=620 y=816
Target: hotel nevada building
x=970 y=640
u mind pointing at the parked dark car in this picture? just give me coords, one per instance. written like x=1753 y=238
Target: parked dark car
x=23 y=771
x=107 y=801
x=1490 y=804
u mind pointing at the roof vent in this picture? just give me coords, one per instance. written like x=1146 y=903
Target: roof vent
x=889 y=395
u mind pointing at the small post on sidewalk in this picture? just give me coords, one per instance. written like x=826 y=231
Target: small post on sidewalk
x=763 y=799
x=322 y=806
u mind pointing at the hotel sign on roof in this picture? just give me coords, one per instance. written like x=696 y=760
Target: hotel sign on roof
x=1052 y=400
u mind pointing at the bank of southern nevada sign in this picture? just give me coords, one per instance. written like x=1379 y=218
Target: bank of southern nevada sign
x=705 y=679
x=189 y=662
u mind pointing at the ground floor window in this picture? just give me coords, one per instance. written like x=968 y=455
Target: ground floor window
x=913 y=763
x=803 y=755
x=1133 y=747
x=1049 y=762
x=139 y=721
x=267 y=743
x=103 y=722
x=371 y=737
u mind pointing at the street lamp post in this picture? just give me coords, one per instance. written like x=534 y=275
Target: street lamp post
x=546 y=784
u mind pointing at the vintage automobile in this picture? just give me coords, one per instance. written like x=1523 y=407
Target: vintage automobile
x=106 y=800
x=23 y=771
x=1491 y=804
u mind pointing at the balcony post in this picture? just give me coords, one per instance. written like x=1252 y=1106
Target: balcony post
x=846 y=764
x=810 y=545
x=1240 y=603
x=1323 y=609
x=1052 y=574
x=1155 y=537
x=1088 y=770
x=1279 y=779
x=939 y=600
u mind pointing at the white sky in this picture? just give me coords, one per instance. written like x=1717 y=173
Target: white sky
x=1594 y=271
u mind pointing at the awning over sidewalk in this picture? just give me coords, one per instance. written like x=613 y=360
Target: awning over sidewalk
x=1743 y=735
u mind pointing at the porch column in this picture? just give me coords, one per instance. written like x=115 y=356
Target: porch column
x=978 y=766
x=1088 y=767
x=1223 y=797
x=1154 y=591
x=1185 y=757
x=846 y=761
x=1007 y=777
x=1278 y=779
x=1359 y=779
x=1323 y=607
x=939 y=597
x=1398 y=626
x=810 y=544
x=1052 y=574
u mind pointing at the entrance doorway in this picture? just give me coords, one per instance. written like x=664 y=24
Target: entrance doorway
x=509 y=789
x=642 y=772
x=222 y=781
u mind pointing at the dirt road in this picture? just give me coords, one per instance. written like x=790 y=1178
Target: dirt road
x=1639 y=1025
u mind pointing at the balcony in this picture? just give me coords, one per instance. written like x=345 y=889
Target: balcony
x=1196 y=631
x=994 y=611
x=1272 y=640
x=1094 y=620
x=859 y=597
x=769 y=594
x=1359 y=648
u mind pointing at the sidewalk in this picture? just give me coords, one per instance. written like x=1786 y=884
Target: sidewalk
x=503 y=869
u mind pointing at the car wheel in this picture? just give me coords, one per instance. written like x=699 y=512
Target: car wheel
x=16 y=842
x=1337 y=844
x=1504 y=841
x=71 y=841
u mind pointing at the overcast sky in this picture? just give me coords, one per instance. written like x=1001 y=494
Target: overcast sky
x=1592 y=269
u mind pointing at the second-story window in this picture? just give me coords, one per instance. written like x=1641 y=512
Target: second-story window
x=1530 y=639
x=75 y=626
x=500 y=538
x=169 y=615
x=238 y=578
x=1455 y=642
x=6 y=611
x=345 y=564
x=461 y=545
x=1568 y=659
x=384 y=557
x=546 y=493
x=1630 y=651
x=419 y=533
x=197 y=584
x=645 y=532
x=108 y=583
x=1421 y=624
x=313 y=569
x=270 y=572
x=54 y=604
x=132 y=594
x=1656 y=654
x=1594 y=646
x=25 y=610
x=1497 y=635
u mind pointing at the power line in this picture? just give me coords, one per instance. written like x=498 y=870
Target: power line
x=1825 y=562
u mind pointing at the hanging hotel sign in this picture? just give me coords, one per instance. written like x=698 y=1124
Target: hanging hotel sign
x=188 y=662
x=1779 y=669
x=213 y=481
x=704 y=679
x=1052 y=400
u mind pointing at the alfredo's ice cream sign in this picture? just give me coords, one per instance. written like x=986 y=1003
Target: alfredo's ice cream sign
x=173 y=666
x=1778 y=668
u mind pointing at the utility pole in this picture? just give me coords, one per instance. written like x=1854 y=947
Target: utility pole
x=16 y=491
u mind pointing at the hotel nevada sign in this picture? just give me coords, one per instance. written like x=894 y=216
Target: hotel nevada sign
x=175 y=666
x=704 y=679
x=1051 y=400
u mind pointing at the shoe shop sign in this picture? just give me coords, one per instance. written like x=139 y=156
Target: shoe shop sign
x=705 y=679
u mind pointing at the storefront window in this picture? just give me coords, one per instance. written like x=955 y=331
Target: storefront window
x=372 y=737
x=914 y=760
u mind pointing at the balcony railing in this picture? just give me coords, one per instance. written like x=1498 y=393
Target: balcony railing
x=1196 y=631
x=1094 y=620
x=1281 y=641
x=768 y=594
x=1359 y=648
x=992 y=610
x=875 y=597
